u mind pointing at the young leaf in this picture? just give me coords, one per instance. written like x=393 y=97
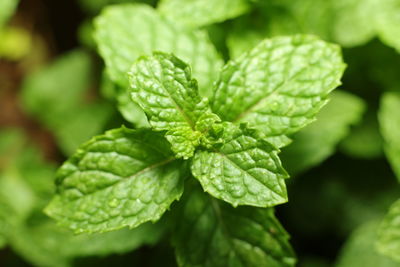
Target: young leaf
x=279 y=86
x=199 y=13
x=389 y=233
x=122 y=178
x=163 y=87
x=318 y=141
x=389 y=120
x=245 y=170
x=211 y=233
x=125 y=32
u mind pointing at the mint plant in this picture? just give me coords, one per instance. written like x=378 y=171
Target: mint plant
x=128 y=177
x=171 y=128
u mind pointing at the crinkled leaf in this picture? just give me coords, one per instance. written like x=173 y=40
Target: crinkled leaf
x=317 y=141
x=245 y=170
x=359 y=250
x=197 y=13
x=211 y=233
x=389 y=233
x=163 y=87
x=125 y=32
x=279 y=86
x=61 y=88
x=26 y=184
x=389 y=119
x=122 y=178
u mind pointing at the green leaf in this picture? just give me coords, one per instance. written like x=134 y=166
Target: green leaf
x=279 y=86
x=7 y=8
x=197 y=13
x=211 y=233
x=359 y=249
x=163 y=87
x=122 y=178
x=353 y=23
x=387 y=22
x=318 y=141
x=389 y=233
x=26 y=184
x=245 y=170
x=130 y=110
x=389 y=120
x=61 y=87
x=364 y=140
x=125 y=32
x=43 y=243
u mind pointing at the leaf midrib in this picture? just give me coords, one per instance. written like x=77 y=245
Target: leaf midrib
x=153 y=166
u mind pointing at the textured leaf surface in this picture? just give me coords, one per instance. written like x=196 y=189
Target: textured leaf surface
x=26 y=184
x=197 y=13
x=279 y=86
x=318 y=141
x=245 y=170
x=162 y=85
x=389 y=119
x=360 y=251
x=389 y=233
x=140 y=30
x=211 y=233
x=122 y=178
x=61 y=88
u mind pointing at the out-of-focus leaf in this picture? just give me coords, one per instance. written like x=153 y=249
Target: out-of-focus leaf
x=7 y=8
x=359 y=250
x=197 y=13
x=364 y=140
x=141 y=30
x=56 y=96
x=95 y=6
x=389 y=233
x=389 y=119
x=15 y=43
x=318 y=141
